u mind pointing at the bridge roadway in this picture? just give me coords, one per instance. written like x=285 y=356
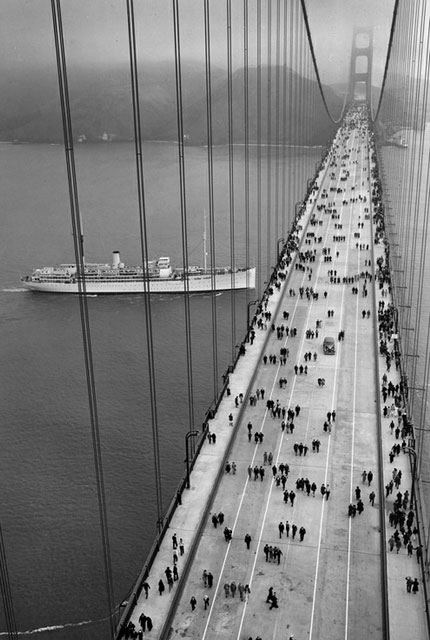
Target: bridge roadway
x=330 y=585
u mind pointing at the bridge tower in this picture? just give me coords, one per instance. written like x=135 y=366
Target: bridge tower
x=360 y=78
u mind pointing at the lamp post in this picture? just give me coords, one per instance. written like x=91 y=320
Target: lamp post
x=252 y=302
x=189 y=435
x=414 y=471
x=279 y=241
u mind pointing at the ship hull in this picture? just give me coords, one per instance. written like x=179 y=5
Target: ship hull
x=242 y=279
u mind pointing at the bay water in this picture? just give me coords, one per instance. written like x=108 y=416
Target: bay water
x=49 y=515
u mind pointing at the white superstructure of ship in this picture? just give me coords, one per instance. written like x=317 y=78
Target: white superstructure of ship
x=157 y=277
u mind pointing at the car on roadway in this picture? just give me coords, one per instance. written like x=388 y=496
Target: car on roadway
x=329 y=346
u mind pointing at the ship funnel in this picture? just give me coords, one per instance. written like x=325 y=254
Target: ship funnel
x=116 y=259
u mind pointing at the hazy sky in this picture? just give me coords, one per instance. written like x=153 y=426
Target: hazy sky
x=96 y=30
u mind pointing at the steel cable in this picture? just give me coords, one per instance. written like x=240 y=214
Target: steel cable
x=277 y=116
x=311 y=48
x=246 y=122
x=184 y=220
x=211 y=207
x=6 y=592
x=143 y=237
x=387 y=59
x=269 y=141
x=259 y=142
x=84 y=315
x=231 y=175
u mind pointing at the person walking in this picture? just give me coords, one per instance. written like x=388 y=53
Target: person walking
x=142 y=621
x=270 y=594
x=302 y=533
x=161 y=587
x=248 y=540
x=206 y=601
x=193 y=603
x=419 y=552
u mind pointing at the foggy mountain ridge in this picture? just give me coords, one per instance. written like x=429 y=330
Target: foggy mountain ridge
x=100 y=100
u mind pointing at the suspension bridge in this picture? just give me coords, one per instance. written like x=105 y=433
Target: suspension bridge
x=277 y=529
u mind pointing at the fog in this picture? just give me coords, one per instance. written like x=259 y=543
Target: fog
x=96 y=31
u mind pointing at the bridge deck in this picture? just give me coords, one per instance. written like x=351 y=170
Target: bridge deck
x=331 y=584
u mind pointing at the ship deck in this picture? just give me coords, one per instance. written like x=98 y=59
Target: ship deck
x=341 y=581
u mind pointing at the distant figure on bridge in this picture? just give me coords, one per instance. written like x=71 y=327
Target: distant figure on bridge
x=227 y=534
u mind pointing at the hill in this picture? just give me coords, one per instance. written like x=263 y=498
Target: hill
x=100 y=101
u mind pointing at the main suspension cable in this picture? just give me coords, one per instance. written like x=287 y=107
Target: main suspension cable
x=387 y=59
x=311 y=47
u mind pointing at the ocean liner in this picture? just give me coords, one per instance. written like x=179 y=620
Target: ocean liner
x=157 y=277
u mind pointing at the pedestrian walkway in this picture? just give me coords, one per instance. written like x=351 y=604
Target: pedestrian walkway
x=266 y=516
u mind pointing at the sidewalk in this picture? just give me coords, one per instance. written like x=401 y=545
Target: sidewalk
x=209 y=468
x=329 y=584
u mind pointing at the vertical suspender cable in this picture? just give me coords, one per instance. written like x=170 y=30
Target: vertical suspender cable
x=403 y=227
x=413 y=180
x=299 y=105
x=144 y=254
x=231 y=174
x=208 y=74
x=6 y=592
x=269 y=139
x=246 y=118
x=284 y=206
x=423 y=411
x=184 y=232
x=277 y=116
x=85 y=325
x=421 y=102
x=304 y=103
x=291 y=89
x=259 y=176
x=296 y=102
